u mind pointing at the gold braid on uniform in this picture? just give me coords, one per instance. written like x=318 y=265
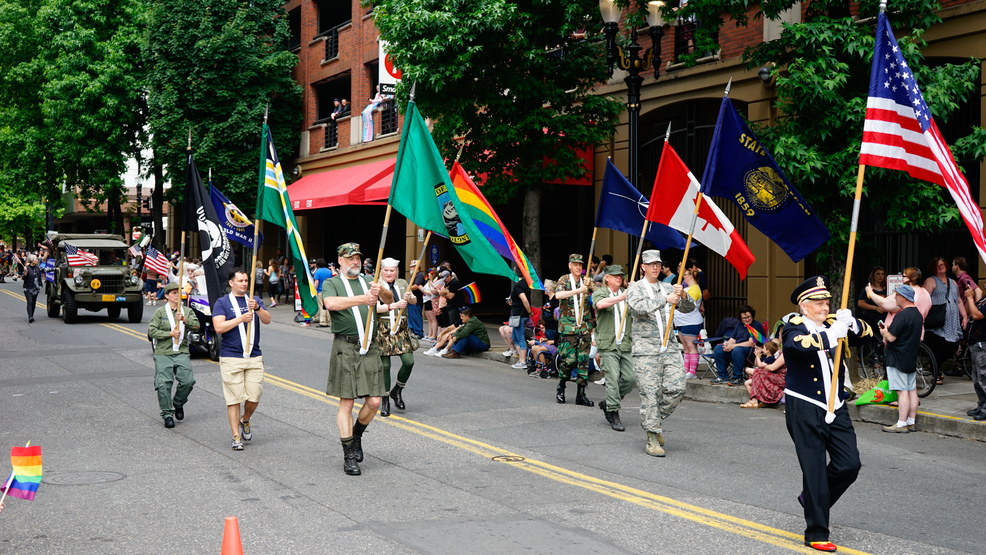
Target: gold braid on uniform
x=810 y=340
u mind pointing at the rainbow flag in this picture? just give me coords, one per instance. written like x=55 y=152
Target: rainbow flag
x=472 y=293
x=756 y=335
x=24 y=480
x=490 y=226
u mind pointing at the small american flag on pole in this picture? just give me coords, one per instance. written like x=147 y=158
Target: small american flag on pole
x=77 y=257
x=900 y=133
x=135 y=251
x=156 y=261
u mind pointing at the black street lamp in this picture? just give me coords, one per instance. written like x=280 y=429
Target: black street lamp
x=140 y=186
x=630 y=60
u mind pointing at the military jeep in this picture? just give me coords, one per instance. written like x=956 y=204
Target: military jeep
x=109 y=284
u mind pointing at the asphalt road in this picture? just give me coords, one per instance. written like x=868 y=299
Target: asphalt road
x=483 y=461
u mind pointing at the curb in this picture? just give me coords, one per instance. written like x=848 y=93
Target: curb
x=965 y=428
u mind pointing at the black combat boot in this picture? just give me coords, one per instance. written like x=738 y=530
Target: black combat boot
x=358 y=440
x=395 y=394
x=560 y=393
x=614 y=418
x=606 y=413
x=349 y=461
x=581 y=399
x=385 y=406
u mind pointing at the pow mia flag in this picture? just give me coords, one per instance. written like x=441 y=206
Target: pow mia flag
x=200 y=216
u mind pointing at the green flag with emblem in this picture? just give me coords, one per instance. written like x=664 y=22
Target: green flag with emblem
x=423 y=192
x=274 y=206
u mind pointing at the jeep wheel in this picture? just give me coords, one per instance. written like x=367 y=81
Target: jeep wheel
x=53 y=307
x=70 y=312
x=135 y=312
x=113 y=311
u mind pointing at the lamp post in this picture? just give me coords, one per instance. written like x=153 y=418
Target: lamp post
x=630 y=60
x=140 y=187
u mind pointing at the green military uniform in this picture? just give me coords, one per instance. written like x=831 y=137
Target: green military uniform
x=352 y=375
x=575 y=324
x=660 y=375
x=473 y=327
x=614 y=341
x=171 y=364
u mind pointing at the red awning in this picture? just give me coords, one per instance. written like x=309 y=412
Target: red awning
x=342 y=187
x=380 y=189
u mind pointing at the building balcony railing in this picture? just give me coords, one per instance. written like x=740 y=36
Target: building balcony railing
x=331 y=43
x=685 y=43
x=388 y=117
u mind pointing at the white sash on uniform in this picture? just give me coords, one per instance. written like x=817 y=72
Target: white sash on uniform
x=175 y=343
x=394 y=322
x=576 y=299
x=359 y=319
x=241 y=327
x=619 y=322
x=659 y=313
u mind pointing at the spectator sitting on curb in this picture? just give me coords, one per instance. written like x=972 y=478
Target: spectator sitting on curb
x=470 y=335
x=444 y=341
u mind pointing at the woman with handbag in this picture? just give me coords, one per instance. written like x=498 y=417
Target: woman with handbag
x=947 y=317
x=32 y=284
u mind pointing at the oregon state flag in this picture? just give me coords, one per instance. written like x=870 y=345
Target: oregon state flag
x=741 y=169
x=423 y=193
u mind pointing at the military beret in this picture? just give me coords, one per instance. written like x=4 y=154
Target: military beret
x=812 y=288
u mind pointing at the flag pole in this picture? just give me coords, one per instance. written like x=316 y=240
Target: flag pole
x=845 y=282
x=633 y=274
x=256 y=218
x=10 y=480
x=415 y=265
x=592 y=248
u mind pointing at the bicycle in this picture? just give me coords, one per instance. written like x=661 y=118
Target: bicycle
x=926 y=376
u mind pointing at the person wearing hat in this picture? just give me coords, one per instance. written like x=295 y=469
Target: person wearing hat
x=355 y=369
x=659 y=367
x=575 y=324
x=168 y=331
x=392 y=331
x=903 y=337
x=810 y=342
x=241 y=362
x=614 y=341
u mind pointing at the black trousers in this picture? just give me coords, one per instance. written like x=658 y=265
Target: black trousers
x=813 y=438
x=32 y=301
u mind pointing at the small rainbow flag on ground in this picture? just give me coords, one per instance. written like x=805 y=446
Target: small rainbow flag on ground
x=489 y=224
x=472 y=293
x=24 y=480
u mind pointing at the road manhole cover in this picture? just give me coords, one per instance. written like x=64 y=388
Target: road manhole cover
x=508 y=458
x=81 y=478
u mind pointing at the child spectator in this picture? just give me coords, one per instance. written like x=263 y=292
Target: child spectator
x=766 y=385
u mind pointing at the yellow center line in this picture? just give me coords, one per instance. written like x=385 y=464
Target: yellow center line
x=667 y=505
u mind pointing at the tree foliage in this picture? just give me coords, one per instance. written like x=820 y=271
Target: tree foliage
x=213 y=67
x=509 y=76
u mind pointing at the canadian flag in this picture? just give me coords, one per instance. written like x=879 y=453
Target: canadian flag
x=673 y=204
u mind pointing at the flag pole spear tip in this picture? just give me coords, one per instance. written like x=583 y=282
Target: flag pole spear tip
x=728 y=85
x=413 y=87
x=667 y=136
x=883 y=6
x=266 y=111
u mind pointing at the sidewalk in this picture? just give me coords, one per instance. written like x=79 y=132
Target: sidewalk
x=943 y=412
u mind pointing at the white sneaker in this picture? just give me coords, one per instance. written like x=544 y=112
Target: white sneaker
x=691 y=376
x=601 y=381
x=508 y=353
x=430 y=352
x=442 y=352
x=519 y=365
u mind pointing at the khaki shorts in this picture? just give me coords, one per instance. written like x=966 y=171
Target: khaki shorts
x=243 y=379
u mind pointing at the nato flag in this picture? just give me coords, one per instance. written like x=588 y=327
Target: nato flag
x=741 y=169
x=622 y=208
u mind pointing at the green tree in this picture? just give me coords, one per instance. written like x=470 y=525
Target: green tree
x=513 y=79
x=822 y=68
x=213 y=67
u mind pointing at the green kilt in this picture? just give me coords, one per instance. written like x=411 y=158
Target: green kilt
x=352 y=376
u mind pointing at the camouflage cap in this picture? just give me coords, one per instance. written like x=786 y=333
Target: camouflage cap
x=576 y=258
x=614 y=270
x=348 y=249
x=173 y=286
x=650 y=256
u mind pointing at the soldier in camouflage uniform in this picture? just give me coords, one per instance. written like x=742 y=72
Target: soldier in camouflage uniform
x=575 y=324
x=660 y=375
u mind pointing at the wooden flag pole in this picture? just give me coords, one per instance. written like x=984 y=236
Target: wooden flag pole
x=256 y=235
x=10 y=480
x=681 y=274
x=417 y=264
x=845 y=282
x=633 y=274
x=376 y=277
x=592 y=248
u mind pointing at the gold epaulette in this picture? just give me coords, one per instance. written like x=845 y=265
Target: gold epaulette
x=796 y=320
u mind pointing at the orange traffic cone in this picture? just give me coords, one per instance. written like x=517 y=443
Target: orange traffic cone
x=231 y=537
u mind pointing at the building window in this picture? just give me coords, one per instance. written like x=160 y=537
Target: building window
x=685 y=40
x=327 y=92
x=388 y=117
x=333 y=14
x=294 y=26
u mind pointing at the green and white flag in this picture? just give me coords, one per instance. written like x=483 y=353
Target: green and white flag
x=423 y=192
x=274 y=206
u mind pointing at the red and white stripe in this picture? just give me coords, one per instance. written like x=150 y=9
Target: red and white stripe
x=156 y=261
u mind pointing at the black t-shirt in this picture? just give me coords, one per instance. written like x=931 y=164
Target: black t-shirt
x=517 y=307
x=548 y=314
x=419 y=280
x=871 y=315
x=902 y=354
x=453 y=287
x=977 y=333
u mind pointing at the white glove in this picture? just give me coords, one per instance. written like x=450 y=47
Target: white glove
x=844 y=316
x=838 y=330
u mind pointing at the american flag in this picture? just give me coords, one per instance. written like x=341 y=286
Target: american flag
x=900 y=133
x=79 y=258
x=14 y=258
x=135 y=251
x=156 y=261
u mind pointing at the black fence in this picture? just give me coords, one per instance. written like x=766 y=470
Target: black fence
x=388 y=117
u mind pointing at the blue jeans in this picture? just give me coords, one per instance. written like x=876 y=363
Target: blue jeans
x=517 y=335
x=472 y=343
x=414 y=319
x=737 y=356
